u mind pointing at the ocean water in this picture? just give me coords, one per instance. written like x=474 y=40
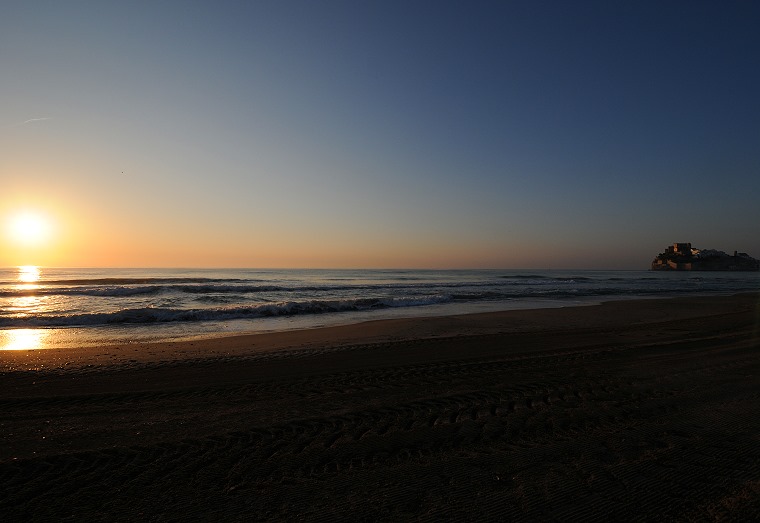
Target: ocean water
x=47 y=308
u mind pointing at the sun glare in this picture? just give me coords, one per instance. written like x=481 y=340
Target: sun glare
x=22 y=339
x=29 y=229
x=28 y=274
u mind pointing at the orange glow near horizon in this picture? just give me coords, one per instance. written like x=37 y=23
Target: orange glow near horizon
x=41 y=231
x=78 y=228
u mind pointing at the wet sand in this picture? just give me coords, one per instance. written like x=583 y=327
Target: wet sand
x=638 y=410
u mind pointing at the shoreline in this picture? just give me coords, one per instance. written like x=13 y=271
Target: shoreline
x=643 y=409
x=225 y=345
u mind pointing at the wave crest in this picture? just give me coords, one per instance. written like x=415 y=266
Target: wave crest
x=164 y=315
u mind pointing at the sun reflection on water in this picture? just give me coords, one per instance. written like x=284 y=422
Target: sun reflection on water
x=28 y=276
x=23 y=339
x=25 y=305
x=21 y=306
x=28 y=273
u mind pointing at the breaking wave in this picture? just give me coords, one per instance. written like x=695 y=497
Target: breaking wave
x=140 y=281
x=163 y=285
x=163 y=315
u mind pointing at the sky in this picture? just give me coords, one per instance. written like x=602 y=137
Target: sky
x=441 y=134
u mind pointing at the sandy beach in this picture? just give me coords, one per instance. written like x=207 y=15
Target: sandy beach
x=630 y=410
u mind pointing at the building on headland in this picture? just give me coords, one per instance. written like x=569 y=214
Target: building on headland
x=680 y=249
x=682 y=257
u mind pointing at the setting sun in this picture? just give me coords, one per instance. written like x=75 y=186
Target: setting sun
x=29 y=229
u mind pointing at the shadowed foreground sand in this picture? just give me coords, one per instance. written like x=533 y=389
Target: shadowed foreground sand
x=643 y=410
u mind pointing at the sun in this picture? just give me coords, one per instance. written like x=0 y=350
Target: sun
x=29 y=229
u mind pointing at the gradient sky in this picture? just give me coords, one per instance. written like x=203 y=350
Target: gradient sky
x=528 y=134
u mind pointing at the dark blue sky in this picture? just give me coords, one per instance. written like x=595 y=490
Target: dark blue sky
x=441 y=134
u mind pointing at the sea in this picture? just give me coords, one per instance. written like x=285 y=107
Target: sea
x=49 y=308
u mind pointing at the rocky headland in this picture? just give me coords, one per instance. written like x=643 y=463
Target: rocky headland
x=682 y=257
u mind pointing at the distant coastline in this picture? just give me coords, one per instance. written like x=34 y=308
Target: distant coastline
x=682 y=257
